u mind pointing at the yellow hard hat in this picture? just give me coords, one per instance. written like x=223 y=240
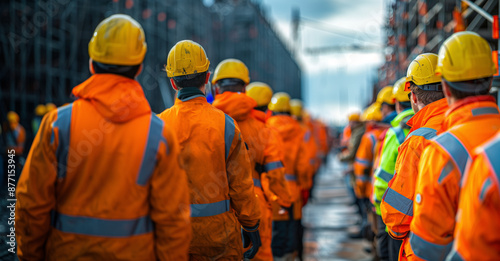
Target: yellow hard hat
x=399 y=91
x=118 y=40
x=260 y=92
x=465 y=56
x=385 y=95
x=280 y=102
x=372 y=113
x=50 y=106
x=296 y=107
x=422 y=71
x=40 y=110
x=185 y=58
x=12 y=117
x=231 y=68
x=354 y=116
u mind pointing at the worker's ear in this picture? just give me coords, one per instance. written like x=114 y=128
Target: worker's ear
x=173 y=84
x=208 y=77
x=138 y=71
x=414 y=98
x=91 y=66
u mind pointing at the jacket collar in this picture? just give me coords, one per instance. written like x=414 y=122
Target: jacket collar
x=464 y=110
x=431 y=110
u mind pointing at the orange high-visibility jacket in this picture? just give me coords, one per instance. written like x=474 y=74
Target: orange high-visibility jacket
x=376 y=160
x=102 y=181
x=397 y=203
x=476 y=230
x=266 y=159
x=312 y=151
x=346 y=136
x=219 y=173
x=296 y=162
x=363 y=163
x=467 y=124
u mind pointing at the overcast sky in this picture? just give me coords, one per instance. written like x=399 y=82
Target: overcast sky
x=335 y=84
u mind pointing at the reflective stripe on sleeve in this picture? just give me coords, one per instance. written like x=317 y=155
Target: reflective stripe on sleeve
x=290 y=177
x=155 y=136
x=363 y=178
x=398 y=201
x=273 y=165
x=256 y=183
x=229 y=131
x=100 y=227
x=363 y=162
x=427 y=250
x=484 y=188
x=454 y=256
x=210 y=209
x=492 y=150
x=448 y=167
x=400 y=134
x=427 y=133
x=63 y=124
x=384 y=175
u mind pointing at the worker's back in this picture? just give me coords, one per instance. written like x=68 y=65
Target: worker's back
x=219 y=175
x=100 y=169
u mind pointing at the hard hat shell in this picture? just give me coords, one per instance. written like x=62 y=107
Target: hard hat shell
x=185 y=58
x=465 y=56
x=399 y=91
x=12 y=117
x=40 y=110
x=231 y=68
x=385 y=95
x=422 y=70
x=260 y=92
x=280 y=102
x=296 y=107
x=50 y=106
x=354 y=116
x=118 y=40
x=372 y=113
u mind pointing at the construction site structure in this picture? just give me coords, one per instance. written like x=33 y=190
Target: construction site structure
x=44 y=46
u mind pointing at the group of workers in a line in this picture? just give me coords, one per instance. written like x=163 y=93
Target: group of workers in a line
x=424 y=172
x=107 y=179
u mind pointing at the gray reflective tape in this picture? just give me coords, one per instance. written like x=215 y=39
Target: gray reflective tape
x=448 y=167
x=92 y=226
x=256 y=182
x=363 y=178
x=492 y=150
x=455 y=149
x=400 y=134
x=398 y=201
x=454 y=256
x=484 y=111
x=155 y=136
x=290 y=177
x=210 y=209
x=384 y=175
x=229 y=131
x=363 y=162
x=273 y=165
x=484 y=188
x=427 y=133
x=427 y=250
x=63 y=124
x=307 y=136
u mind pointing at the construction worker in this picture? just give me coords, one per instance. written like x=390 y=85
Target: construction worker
x=388 y=105
x=216 y=161
x=466 y=68
x=102 y=179
x=50 y=107
x=16 y=134
x=383 y=174
x=262 y=94
x=429 y=105
x=477 y=226
x=230 y=78
x=297 y=168
x=40 y=110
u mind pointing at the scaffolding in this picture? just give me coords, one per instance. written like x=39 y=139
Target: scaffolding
x=419 y=26
x=44 y=46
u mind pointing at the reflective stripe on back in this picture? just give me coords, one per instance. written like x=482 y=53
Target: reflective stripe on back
x=427 y=250
x=455 y=149
x=400 y=134
x=290 y=177
x=63 y=124
x=427 y=133
x=484 y=111
x=398 y=201
x=155 y=136
x=363 y=162
x=100 y=227
x=492 y=150
x=210 y=209
x=256 y=183
x=307 y=136
x=229 y=130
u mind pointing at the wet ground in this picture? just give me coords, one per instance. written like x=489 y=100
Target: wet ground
x=330 y=217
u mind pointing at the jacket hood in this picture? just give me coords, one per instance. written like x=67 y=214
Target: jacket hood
x=116 y=98
x=286 y=126
x=235 y=104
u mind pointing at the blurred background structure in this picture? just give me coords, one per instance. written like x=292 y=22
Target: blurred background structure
x=44 y=46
